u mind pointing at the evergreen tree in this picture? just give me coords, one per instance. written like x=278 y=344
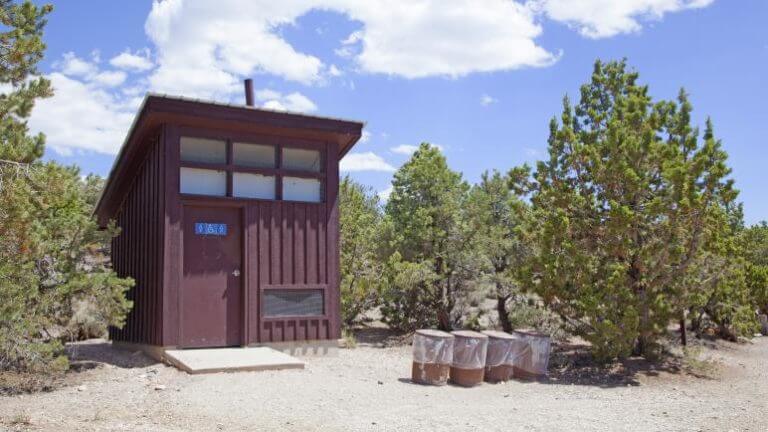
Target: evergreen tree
x=52 y=260
x=431 y=260
x=361 y=269
x=499 y=218
x=630 y=195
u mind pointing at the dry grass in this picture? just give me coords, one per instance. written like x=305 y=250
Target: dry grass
x=14 y=383
x=697 y=364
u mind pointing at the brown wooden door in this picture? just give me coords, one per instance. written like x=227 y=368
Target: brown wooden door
x=211 y=291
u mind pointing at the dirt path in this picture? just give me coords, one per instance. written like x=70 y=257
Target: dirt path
x=368 y=389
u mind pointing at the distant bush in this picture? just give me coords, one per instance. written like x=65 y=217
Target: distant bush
x=361 y=268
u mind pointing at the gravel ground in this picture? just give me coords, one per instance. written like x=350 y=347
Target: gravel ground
x=368 y=389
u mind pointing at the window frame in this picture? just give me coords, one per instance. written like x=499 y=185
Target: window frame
x=279 y=143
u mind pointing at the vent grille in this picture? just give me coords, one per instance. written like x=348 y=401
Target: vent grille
x=293 y=302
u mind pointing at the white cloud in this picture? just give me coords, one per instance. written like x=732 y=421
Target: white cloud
x=407 y=149
x=384 y=195
x=295 y=101
x=81 y=116
x=605 y=18
x=367 y=161
x=73 y=65
x=85 y=112
x=203 y=47
x=365 y=136
x=138 y=62
x=334 y=71
x=416 y=39
x=486 y=100
x=110 y=78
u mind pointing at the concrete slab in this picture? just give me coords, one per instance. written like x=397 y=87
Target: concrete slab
x=211 y=360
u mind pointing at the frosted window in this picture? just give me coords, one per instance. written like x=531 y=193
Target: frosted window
x=301 y=159
x=293 y=302
x=203 y=182
x=301 y=189
x=247 y=185
x=253 y=155
x=203 y=150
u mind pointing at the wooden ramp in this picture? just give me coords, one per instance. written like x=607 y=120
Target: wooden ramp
x=212 y=360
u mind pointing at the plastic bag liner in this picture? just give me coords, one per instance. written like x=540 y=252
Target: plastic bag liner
x=470 y=349
x=505 y=349
x=536 y=361
x=433 y=346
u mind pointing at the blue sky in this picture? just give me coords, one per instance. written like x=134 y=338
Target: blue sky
x=479 y=78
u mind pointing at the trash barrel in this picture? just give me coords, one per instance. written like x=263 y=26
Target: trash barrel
x=469 y=351
x=534 y=362
x=503 y=350
x=432 y=357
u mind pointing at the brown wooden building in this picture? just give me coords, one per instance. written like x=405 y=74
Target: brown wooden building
x=230 y=224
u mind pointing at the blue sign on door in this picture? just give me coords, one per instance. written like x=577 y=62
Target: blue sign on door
x=206 y=228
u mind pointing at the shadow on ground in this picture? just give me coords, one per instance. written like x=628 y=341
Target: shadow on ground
x=380 y=337
x=89 y=354
x=572 y=364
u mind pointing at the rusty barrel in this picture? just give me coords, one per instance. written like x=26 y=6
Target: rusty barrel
x=503 y=350
x=533 y=363
x=469 y=351
x=432 y=357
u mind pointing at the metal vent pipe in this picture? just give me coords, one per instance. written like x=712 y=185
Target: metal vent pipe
x=249 y=92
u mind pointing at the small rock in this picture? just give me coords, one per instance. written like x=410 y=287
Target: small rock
x=159 y=387
x=82 y=388
x=506 y=395
x=380 y=382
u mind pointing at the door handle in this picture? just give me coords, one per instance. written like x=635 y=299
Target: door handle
x=235 y=272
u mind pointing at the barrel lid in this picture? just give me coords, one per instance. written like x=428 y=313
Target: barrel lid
x=469 y=334
x=531 y=332
x=434 y=333
x=494 y=334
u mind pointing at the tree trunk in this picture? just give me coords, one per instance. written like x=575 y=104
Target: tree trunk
x=683 y=334
x=501 y=308
x=443 y=320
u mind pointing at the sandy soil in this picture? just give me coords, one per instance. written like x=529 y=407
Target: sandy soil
x=368 y=388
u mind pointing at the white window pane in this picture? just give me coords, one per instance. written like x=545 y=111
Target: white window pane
x=301 y=159
x=301 y=189
x=247 y=185
x=203 y=182
x=253 y=155
x=203 y=150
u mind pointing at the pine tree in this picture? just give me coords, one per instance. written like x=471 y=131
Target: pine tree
x=52 y=253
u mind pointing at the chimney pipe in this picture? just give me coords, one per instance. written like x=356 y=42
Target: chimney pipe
x=249 y=92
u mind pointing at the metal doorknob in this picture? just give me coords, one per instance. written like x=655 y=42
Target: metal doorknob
x=236 y=273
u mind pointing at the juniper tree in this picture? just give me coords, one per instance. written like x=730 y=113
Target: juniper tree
x=431 y=260
x=629 y=195
x=361 y=269
x=499 y=218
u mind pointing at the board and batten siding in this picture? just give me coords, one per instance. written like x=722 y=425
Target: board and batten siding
x=286 y=245
x=137 y=250
x=290 y=241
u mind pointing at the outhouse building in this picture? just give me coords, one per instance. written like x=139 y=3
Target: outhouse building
x=229 y=224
